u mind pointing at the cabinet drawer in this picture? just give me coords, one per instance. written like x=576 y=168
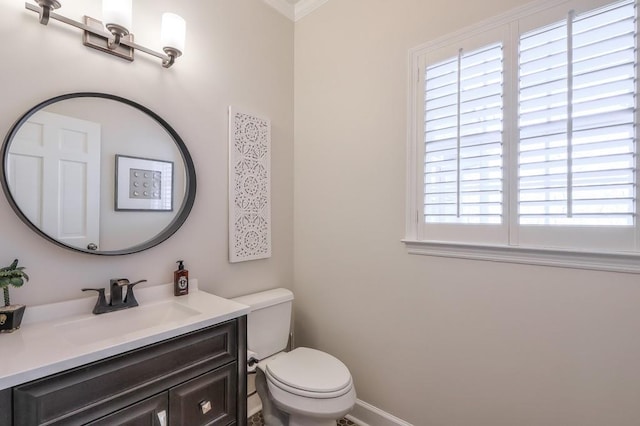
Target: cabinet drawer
x=208 y=400
x=95 y=390
x=150 y=412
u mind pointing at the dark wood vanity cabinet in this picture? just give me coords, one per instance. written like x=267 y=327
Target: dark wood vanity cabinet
x=196 y=379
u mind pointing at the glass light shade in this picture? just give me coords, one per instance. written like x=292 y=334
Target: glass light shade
x=117 y=12
x=174 y=30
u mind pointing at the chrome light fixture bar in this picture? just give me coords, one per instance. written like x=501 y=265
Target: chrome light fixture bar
x=117 y=40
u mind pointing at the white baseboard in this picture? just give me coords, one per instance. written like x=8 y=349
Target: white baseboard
x=367 y=415
x=254 y=405
x=363 y=414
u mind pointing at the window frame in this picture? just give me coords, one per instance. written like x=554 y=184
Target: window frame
x=477 y=245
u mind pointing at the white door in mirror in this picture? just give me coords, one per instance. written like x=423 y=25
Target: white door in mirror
x=54 y=176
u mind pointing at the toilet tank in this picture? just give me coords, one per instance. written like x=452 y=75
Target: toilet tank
x=269 y=321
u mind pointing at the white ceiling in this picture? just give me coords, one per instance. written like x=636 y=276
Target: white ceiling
x=295 y=9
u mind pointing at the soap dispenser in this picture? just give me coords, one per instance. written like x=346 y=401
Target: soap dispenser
x=180 y=280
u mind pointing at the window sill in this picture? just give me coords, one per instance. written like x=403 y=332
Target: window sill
x=610 y=262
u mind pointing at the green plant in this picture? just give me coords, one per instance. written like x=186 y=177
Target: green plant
x=11 y=275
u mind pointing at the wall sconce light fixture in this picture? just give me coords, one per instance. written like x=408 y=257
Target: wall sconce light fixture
x=116 y=39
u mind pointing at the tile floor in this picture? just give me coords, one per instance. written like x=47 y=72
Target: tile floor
x=256 y=420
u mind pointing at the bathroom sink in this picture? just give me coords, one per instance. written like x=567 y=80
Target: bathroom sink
x=59 y=336
x=114 y=325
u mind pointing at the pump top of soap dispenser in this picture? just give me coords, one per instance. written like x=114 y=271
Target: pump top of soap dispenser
x=180 y=265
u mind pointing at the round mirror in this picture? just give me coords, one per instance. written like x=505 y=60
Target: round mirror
x=98 y=174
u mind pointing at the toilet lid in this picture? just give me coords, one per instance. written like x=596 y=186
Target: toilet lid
x=310 y=370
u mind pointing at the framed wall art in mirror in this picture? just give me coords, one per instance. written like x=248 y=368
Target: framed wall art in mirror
x=62 y=162
x=143 y=184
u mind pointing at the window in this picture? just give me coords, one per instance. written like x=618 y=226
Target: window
x=523 y=132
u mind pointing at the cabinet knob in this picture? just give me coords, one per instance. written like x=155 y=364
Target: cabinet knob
x=205 y=407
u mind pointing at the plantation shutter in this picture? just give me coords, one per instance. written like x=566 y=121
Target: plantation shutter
x=576 y=161
x=463 y=166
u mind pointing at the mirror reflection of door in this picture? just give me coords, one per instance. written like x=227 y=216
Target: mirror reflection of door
x=54 y=175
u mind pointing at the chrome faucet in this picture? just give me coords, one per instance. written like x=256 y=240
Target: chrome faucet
x=117 y=301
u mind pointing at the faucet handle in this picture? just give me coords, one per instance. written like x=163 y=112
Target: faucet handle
x=101 y=304
x=130 y=299
x=134 y=283
x=121 y=282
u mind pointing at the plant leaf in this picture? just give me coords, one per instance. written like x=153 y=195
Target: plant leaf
x=17 y=282
x=13 y=275
x=11 y=267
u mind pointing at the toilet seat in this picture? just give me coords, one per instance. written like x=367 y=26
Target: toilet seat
x=309 y=373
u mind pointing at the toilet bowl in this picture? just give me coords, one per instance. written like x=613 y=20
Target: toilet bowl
x=311 y=386
x=303 y=387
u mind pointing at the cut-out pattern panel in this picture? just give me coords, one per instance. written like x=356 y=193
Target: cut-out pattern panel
x=249 y=186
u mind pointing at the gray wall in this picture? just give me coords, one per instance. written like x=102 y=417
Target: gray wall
x=434 y=341
x=238 y=53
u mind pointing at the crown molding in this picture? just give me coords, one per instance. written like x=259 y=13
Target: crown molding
x=297 y=11
x=284 y=7
x=305 y=7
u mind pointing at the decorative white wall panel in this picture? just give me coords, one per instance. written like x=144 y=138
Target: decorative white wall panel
x=249 y=186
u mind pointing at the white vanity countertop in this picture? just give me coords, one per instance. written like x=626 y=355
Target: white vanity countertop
x=64 y=335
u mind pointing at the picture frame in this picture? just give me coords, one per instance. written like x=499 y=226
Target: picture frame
x=143 y=184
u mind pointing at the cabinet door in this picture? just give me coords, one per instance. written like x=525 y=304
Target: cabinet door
x=150 y=412
x=208 y=400
x=6 y=408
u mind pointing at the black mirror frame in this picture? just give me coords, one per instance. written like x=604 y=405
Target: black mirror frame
x=168 y=231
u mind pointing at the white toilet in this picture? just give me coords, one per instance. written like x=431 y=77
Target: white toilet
x=304 y=387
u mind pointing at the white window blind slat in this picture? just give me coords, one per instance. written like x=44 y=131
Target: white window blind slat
x=604 y=119
x=542 y=104
x=543 y=88
x=492 y=100
x=545 y=35
x=542 y=128
x=603 y=47
x=622 y=133
x=594 y=78
x=546 y=141
x=442 y=145
x=542 y=156
x=603 y=17
x=542 y=182
x=617 y=91
x=551 y=47
x=605 y=36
